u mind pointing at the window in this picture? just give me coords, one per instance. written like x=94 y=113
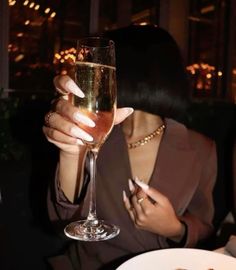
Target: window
x=207 y=67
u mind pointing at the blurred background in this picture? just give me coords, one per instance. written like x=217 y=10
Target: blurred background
x=37 y=41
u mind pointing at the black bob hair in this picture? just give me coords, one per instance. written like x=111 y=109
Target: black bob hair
x=150 y=73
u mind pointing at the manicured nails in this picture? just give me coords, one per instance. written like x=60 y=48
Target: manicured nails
x=122 y=113
x=131 y=186
x=129 y=110
x=141 y=184
x=74 y=88
x=125 y=198
x=79 y=142
x=77 y=132
x=65 y=97
x=83 y=119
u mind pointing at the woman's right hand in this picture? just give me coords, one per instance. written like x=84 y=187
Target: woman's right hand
x=65 y=124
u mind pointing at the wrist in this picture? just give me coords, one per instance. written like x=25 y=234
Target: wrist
x=181 y=230
x=70 y=172
x=72 y=155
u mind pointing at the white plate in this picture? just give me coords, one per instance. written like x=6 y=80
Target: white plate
x=180 y=258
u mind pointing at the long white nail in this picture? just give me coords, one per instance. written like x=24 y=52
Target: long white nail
x=129 y=110
x=65 y=97
x=74 y=88
x=131 y=185
x=125 y=198
x=79 y=142
x=77 y=132
x=83 y=119
x=144 y=186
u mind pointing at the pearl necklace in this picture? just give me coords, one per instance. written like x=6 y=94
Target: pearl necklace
x=147 y=138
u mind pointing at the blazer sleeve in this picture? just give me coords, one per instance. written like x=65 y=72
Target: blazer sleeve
x=60 y=210
x=199 y=214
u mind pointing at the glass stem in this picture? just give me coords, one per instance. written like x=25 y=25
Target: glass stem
x=92 y=215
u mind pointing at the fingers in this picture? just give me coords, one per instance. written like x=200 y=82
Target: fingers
x=131 y=186
x=47 y=118
x=141 y=203
x=122 y=114
x=137 y=205
x=139 y=209
x=128 y=206
x=65 y=85
x=154 y=194
x=67 y=110
x=57 y=136
x=63 y=143
x=58 y=126
x=65 y=127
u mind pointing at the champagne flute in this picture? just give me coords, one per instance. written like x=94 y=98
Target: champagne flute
x=95 y=74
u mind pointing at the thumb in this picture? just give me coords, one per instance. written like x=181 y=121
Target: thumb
x=122 y=114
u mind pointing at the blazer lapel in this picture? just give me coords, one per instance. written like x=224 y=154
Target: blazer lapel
x=174 y=174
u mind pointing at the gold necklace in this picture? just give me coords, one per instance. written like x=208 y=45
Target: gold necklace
x=147 y=138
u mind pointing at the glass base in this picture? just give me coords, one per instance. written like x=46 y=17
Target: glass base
x=90 y=230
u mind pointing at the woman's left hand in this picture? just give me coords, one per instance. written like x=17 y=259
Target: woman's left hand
x=152 y=211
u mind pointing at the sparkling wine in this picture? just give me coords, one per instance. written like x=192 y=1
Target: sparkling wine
x=95 y=75
x=98 y=82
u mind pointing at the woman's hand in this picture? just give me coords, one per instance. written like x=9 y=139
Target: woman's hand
x=152 y=211
x=65 y=125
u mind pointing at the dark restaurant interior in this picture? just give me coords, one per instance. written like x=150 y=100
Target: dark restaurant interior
x=37 y=42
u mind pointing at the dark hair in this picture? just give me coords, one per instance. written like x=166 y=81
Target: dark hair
x=150 y=73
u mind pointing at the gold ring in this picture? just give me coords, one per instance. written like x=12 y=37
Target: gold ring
x=47 y=118
x=140 y=200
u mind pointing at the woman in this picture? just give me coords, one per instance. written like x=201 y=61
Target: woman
x=172 y=205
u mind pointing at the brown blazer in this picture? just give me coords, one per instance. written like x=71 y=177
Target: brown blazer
x=185 y=172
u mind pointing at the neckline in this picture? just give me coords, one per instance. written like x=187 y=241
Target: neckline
x=155 y=170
